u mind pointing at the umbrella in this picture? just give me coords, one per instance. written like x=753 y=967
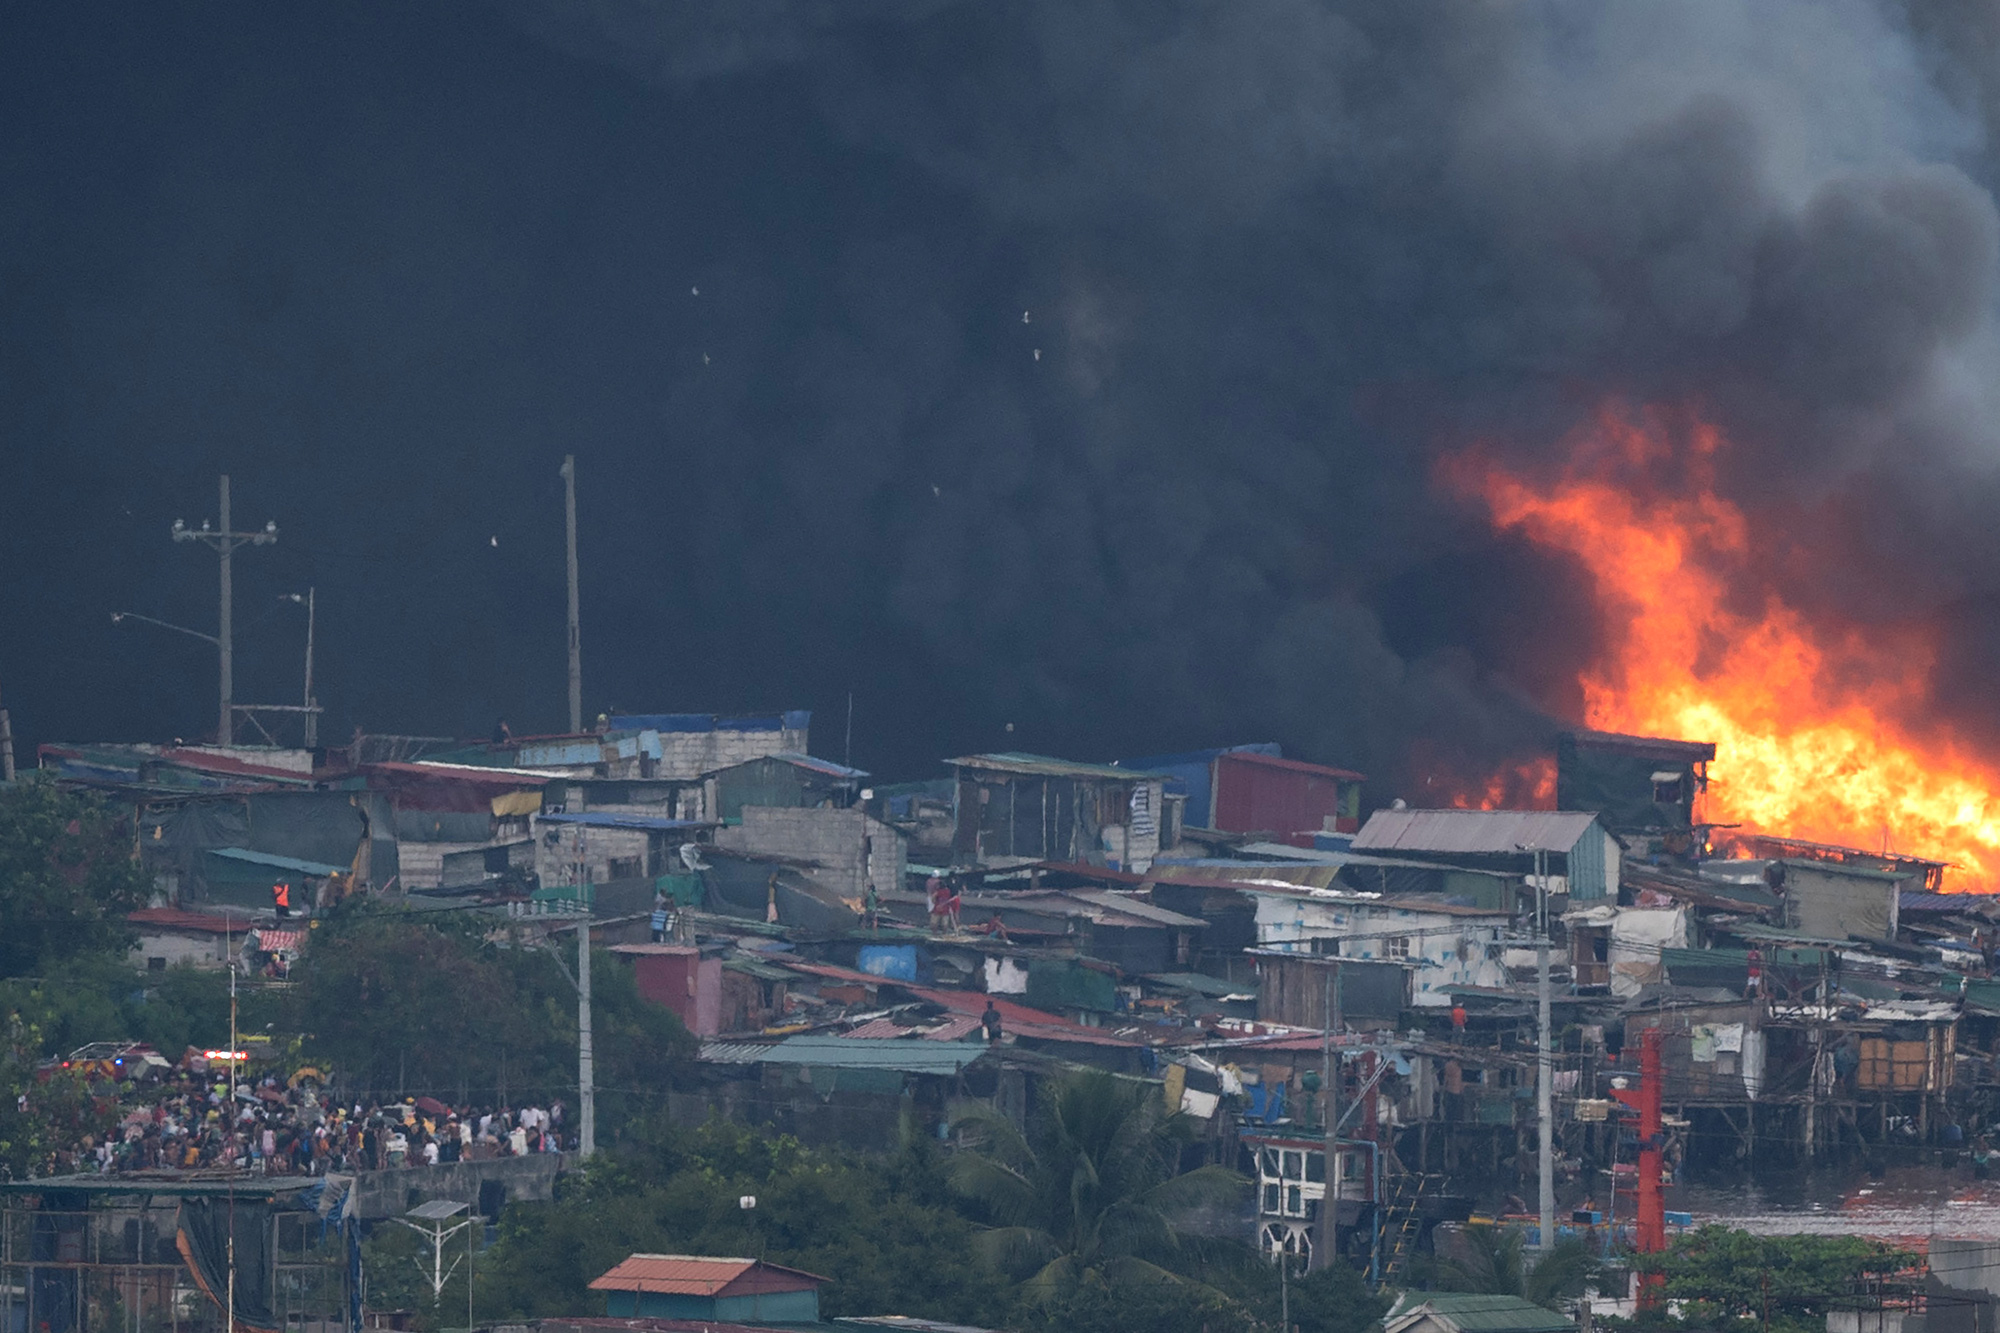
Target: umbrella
x=432 y=1106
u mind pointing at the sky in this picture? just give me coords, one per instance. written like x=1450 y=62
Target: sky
x=1063 y=376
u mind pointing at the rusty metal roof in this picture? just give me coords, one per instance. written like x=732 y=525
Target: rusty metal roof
x=1488 y=832
x=701 y=1275
x=1042 y=765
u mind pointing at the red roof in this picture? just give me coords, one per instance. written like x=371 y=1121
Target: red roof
x=175 y=918
x=701 y=1275
x=1293 y=765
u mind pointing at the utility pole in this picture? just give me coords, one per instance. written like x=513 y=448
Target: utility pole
x=1544 y=1079
x=575 y=633
x=312 y=715
x=225 y=542
x=586 y=1076
x=1329 y=1207
x=6 y=747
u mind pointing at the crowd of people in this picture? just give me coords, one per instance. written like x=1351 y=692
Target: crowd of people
x=279 y=1129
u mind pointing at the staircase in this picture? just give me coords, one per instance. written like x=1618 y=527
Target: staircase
x=1403 y=1222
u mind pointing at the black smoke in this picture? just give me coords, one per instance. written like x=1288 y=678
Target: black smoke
x=1080 y=366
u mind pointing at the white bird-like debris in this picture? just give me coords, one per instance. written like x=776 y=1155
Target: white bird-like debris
x=493 y=541
x=935 y=491
x=694 y=291
x=1038 y=354
x=1024 y=317
x=704 y=358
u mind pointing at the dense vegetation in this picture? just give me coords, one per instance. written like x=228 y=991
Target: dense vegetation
x=896 y=1232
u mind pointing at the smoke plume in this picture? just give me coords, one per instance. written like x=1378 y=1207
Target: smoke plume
x=1081 y=366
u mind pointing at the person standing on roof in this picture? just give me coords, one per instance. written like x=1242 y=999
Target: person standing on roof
x=659 y=918
x=989 y=1021
x=934 y=893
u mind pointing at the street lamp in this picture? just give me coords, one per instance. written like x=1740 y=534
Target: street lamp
x=312 y=712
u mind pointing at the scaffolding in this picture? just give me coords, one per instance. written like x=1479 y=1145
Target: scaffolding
x=97 y=1254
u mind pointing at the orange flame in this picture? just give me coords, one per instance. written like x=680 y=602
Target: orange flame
x=1807 y=721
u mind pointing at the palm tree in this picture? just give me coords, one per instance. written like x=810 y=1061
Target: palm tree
x=1493 y=1261
x=1091 y=1190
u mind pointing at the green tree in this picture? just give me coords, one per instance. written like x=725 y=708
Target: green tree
x=1091 y=1194
x=881 y=1226
x=1722 y=1275
x=67 y=876
x=1493 y=1261
x=398 y=1003
x=46 y=1107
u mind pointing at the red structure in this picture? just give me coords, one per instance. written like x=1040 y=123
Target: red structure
x=1651 y=1216
x=677 y=976
x=1262 y=793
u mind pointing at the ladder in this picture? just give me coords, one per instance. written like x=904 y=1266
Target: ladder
x=1403 y=1223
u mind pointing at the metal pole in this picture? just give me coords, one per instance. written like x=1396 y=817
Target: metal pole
x=225 y=543
x=586 y=1081
x=1329 y=1207
x=6 y=747
x=1544 y=1079
x=312 y=718
x=226 y=727
x=575 y=633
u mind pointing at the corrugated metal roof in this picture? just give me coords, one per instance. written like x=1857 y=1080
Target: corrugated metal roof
x=1910 y=900
x=818 y=765
x=1484 y=1314
x=906 y=1057
x=1645 y=747
x=956 y=1027
x=698 y=1275
x=1131 y=906
x=1289 y=765
x=734 y=1052
x=1014 y=761
x=291 y=863
x=1474 y=831
x=177 y=918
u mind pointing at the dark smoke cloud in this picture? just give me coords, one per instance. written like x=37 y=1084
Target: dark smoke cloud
x=763 y=267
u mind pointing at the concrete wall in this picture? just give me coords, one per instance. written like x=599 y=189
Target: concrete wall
x=208 y=951
x=380 y=1194
x=832 y=839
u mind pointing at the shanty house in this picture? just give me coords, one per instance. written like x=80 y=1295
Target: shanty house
x=1027 y=807
x=1837 y=902
x=1443 y=944
x=1571 y=847
x=842 y=848
x=781 y=781
x=1295 y=989
x=680 y=1286
x=1642 y=786
x=597 y=847
x=666 y=746
x=1253 y=788
x=165 y=937
x=457 y=823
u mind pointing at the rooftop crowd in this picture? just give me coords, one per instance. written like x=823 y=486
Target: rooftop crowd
x=277 y=1129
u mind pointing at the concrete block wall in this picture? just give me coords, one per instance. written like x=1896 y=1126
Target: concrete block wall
x=830 y=838
x=689 y=754
x=600 y=846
